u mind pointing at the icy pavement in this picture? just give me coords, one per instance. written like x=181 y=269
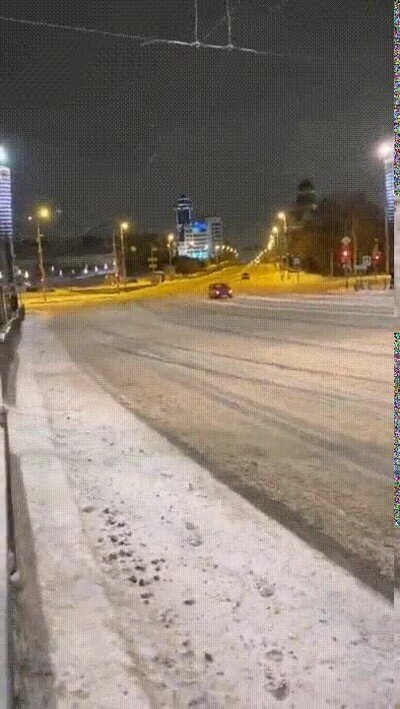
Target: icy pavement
x=365 y=303
x=215 y=604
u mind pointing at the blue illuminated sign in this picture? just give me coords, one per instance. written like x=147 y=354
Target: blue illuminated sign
x=199 y=228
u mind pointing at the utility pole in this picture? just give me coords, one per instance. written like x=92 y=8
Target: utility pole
x=387 y=254
x=115 y=257
x=170 y=241
x=122 y=228
x=354 y=240
x=40 y=260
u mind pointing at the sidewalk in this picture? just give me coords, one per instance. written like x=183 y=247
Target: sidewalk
x=4 y=685
x=158 y=586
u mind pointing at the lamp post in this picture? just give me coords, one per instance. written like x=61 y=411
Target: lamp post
x=274 y=234
x=42 y=213
x=122 y=229
x=282 y=215
x=115 y=260
x=170 y=240
x=385 y=152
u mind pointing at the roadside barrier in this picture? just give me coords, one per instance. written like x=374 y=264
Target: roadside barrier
x=7 y=548
x=372 y=284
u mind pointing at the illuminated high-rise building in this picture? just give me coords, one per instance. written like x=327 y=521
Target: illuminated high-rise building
x=5 y=196
x=196 y=238
x=6 y=227
x=389 y=188
x=386 y=152
x=201 y=239
x=183 y=216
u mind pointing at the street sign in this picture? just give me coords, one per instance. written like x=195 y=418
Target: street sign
x=367 y=261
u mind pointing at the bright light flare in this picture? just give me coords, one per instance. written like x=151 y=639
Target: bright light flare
x=386 y=150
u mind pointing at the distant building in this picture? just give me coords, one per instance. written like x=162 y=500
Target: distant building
x=389 y=189
x=303 y=211
x=196 y=238
x=215 y=229
x=183 y=217
x=200 y=238
x=6 y=227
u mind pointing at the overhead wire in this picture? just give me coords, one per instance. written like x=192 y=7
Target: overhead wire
x=222 y=20
x=229 y=22
x=196 y=23
x=148 y=40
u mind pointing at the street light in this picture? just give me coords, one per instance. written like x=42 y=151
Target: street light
x=43 y=213
x=170 y=240
x=386 y=153
x=282 y=216
x=122 y=229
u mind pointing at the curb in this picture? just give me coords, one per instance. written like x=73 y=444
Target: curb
x=74 y=658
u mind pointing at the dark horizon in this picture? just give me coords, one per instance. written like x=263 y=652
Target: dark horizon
x=106 y=129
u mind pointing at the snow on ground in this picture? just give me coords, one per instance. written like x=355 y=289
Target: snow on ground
x=219 y=606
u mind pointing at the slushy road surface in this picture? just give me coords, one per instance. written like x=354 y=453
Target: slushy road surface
x=287 y=400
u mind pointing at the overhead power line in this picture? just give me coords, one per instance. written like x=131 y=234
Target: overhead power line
x=222 y=20
x=147 y=41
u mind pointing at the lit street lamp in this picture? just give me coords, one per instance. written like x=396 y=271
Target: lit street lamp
x=282 y=215
x=170 y=240
x=115 y=260
x=122 y=229
x=44 y=214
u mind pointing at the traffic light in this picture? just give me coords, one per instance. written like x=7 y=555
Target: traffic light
x=345 y=254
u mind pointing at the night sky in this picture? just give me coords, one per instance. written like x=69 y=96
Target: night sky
x=107 y=129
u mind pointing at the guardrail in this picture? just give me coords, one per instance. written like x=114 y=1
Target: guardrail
x=7 y=553
x=371 y=283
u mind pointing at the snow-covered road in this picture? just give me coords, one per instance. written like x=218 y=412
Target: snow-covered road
x=215 y=604
x=288 y=401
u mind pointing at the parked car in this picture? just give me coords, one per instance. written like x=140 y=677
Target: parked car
x=220 y=290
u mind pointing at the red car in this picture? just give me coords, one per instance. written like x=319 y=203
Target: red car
x=220 y=290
